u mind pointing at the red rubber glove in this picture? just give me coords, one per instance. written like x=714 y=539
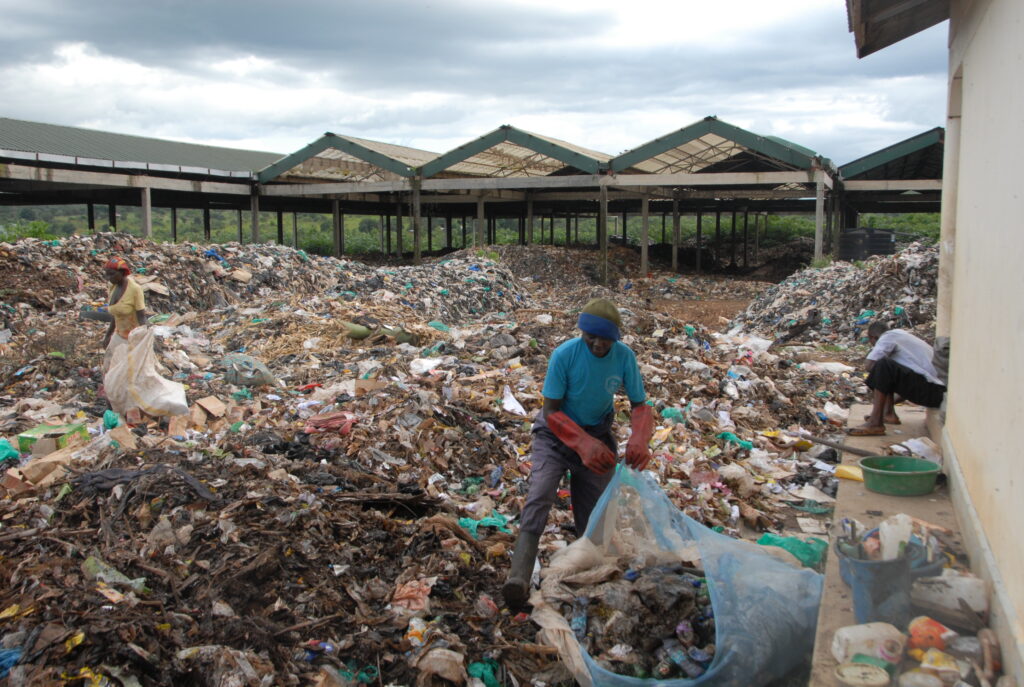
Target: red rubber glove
x=594 y=454
x=642 y=421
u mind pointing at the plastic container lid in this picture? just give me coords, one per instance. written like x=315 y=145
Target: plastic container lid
x=862 y=675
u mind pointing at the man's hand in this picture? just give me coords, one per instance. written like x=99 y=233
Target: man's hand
x=596 y=456
x=638 y=455
x=592 y=452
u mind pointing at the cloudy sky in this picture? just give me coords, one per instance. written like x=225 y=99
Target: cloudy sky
x=605 y=74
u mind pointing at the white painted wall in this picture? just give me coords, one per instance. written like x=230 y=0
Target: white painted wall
x=985 y=411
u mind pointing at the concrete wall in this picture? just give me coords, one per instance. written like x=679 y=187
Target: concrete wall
x=983 y=243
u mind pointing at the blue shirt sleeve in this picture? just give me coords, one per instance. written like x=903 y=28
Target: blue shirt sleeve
x=631 y=380
x=557 y=377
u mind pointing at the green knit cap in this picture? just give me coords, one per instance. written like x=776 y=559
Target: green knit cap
x=604 y=308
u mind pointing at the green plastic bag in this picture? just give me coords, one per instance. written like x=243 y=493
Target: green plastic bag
x=809 y=551
x=673 y=414
x=111 y=419
x=8 y=452
x=496 y=520
x=484 y=671
x=732 y=438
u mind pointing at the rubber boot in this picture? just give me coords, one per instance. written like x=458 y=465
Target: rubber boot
x=517 y=587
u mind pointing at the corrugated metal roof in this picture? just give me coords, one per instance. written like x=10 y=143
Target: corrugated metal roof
x=37 y=137
x=917 y=157
x=335 y=164
x=508 y=159
x=414 y=157
x=711 y=145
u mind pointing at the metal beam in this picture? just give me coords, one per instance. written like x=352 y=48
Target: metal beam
x=47 y=175
x=893 y=185
x=327 y=142
x=525 y=183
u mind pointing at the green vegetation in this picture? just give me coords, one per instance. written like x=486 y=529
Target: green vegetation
x=920 y=225
x=823 y=261
x=363 y=235
x=20 y=229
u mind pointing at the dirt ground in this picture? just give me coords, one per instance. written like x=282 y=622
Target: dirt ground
x=707 y=313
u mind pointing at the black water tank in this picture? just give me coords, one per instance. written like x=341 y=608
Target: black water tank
x=858 y=244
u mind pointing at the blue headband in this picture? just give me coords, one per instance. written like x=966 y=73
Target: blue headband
x=598 y=326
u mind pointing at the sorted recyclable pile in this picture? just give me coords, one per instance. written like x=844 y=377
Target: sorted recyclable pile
x=834 y=304
x=896 y=571
x=339 y=502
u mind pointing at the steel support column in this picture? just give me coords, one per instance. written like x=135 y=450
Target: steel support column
x=147 y=213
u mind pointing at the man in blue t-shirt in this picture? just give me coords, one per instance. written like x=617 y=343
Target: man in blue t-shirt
x=573 y=432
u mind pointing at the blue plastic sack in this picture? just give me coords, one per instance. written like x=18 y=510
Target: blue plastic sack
x=766 y=611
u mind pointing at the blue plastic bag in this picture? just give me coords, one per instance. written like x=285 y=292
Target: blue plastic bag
x=765 y=610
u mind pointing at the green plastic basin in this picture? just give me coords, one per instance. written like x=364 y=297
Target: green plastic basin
x=899 y=475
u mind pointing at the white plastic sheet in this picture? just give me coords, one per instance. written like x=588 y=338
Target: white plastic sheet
x=132 y=380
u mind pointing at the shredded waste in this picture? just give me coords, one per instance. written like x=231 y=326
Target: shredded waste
x=340 y=502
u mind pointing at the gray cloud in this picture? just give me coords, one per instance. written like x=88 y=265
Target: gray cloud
x=492 y=63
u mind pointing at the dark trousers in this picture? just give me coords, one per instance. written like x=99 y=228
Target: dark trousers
x=551 y=460
x=890 y=377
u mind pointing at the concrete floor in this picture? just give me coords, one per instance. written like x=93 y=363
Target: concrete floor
x=855 y=501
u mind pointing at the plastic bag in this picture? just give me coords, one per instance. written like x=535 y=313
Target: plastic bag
x=133 y=382
x=766 y=611
x=244 y=370
x=8 y=452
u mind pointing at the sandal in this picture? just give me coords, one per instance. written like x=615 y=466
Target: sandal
x=865 y=431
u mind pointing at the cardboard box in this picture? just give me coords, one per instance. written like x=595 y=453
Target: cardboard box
x=42 y=472
x=46 y=439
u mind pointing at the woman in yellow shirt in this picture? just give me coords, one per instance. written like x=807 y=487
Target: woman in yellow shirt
x=126 y=304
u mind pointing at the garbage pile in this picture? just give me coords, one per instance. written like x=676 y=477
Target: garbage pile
x=558 y=266
x=666 y=608
x=341 y=496
x=840 y=300
x=184 y=277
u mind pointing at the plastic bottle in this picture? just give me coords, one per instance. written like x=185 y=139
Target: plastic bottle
x=894 y=534
x=579 y=618
x=701 y=656
x=919 y=678
x=678 y=656
x=880 y=640
x=685 y=633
